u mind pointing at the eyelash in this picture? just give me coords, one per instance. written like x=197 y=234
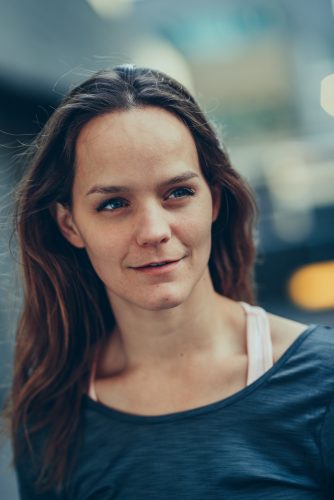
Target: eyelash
x=104 y=204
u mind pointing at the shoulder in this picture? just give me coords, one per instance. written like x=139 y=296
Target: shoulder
x=284 y=332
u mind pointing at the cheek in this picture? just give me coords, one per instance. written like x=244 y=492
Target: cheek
x=103 y=248
x=200 y=224
x=197 y=238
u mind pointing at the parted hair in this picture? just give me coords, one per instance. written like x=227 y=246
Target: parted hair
x=66 y=314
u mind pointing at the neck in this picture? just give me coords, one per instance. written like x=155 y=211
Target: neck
x=203 y=325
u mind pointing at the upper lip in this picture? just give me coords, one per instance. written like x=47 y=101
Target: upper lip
x=164 y=261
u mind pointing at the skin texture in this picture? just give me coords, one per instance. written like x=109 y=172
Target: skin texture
x=173 y=330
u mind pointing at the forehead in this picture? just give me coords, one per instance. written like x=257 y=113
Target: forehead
x=136 y=140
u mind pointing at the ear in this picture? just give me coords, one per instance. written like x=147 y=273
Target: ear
x=67 y=225
x=216 y=193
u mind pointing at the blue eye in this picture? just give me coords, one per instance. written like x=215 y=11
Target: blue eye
x=181 y=193
x=112 y=204
x=116 y=203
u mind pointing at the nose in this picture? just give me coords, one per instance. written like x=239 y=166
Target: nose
x=152 y=226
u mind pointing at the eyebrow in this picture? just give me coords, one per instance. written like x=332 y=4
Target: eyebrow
x=186 y=176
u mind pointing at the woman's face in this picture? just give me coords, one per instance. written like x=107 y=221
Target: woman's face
x=139 y=197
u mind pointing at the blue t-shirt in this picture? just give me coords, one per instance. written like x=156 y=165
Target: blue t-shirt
x=274 y=439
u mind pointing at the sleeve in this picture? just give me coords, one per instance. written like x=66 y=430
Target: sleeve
x=327 y=444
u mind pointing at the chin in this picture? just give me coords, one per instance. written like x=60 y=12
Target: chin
x=163 y=298
x=159 y=304
x=168 y=301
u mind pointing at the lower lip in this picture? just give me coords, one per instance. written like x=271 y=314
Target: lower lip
x=166 y=268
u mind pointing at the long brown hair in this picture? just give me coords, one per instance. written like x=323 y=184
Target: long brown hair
x=66 y=314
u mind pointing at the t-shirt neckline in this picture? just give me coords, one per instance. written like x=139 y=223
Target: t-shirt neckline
x=216 y=405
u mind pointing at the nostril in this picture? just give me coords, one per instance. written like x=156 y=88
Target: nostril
x=153 y=237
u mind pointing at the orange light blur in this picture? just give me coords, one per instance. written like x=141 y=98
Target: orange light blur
x=312 y=286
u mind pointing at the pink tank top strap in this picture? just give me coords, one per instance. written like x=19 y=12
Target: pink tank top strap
x=259 y=344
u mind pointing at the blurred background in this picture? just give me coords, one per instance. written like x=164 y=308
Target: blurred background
x=264 y=72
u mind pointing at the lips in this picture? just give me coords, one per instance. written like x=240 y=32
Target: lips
x=159 y=269
x=156 y=264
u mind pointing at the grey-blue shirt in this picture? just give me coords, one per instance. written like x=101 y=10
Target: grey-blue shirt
x=273 y=439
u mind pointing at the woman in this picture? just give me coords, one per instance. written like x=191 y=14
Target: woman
x=141 y=369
